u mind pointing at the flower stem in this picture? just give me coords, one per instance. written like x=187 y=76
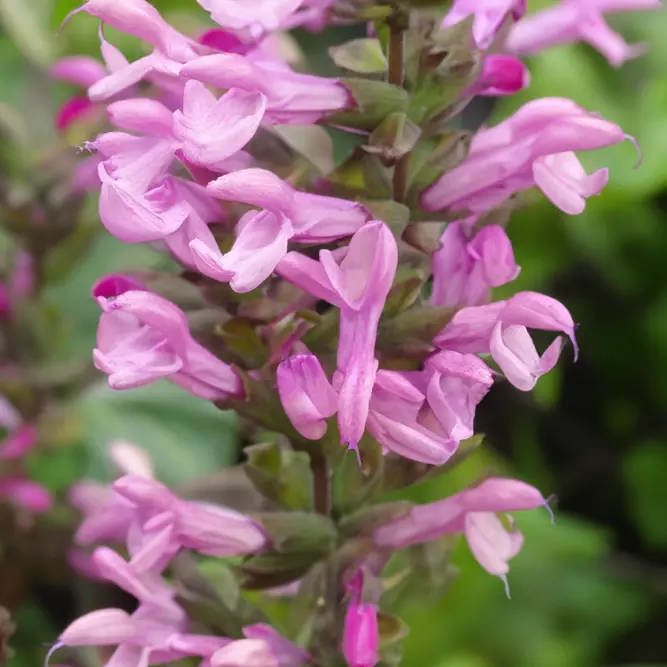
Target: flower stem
x=321 y=482
x=397 y=26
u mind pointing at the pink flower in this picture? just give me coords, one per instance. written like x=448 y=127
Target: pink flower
x=292 y=98
x=140 y=201
x=472 y=512
x=575 y=21
x=140 y=19
x=465 y=269
x=456 y=385
x=490 y=15
x=263 y=236
x=501 y=329
x=107 y=516
x=210 y=529
x=534 y=147
x=357 y=281
x=143 y=337
x=402 y=422
x=306 y=394
x=156 y=633
x=19 y=441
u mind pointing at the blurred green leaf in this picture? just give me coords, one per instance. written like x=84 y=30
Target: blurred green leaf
x=27 y=25
x=185 y=435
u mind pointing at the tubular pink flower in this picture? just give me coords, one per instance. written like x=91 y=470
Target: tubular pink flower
x=140 y=19
x=400 y=420
x=456 y=385
x=533 y=147
x=306 y=394
x=210 y=529
x=465 y=270
x=263 y=236
x=82 y=71
x=358 y=285
x=143 y=337
x=501 y=329
x=490 y=15
x=577 y=21
x=211 y=130
x=473 y=513
x=292 y=98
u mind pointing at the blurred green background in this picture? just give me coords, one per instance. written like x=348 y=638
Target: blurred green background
x=590 y=590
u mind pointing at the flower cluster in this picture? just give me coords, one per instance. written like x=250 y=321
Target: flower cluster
x=332 y=322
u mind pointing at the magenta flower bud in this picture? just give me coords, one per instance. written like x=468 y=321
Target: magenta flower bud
x=473 y=513
x=457 y=384
x=489 y=16
x=306 y=394
x=361 y=635
x=81 y=71
x=501 y=75
x=143 y=337
x=464 y=271
x=142 y=115
x=575 y=21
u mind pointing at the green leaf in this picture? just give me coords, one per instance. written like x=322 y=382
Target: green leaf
x=410 y=334
x=362 y=55
x=375 y=101
x=270 y=570
x=393 y=138
x=644 y=470
x=282 y=475
x=365 y=520
x=396 y=216
x=298 y=532
x=185 y=435
x=241 y=337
